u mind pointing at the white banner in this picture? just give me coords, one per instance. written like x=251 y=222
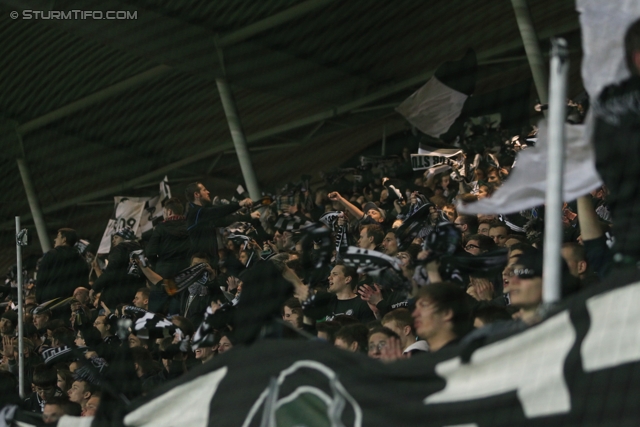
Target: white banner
x=527 y=183
x=433 y=108
x=136 y=213
x=604 y=24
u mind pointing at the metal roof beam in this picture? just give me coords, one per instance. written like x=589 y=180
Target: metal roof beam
x=92 y=99
x=271 y=22
x=190 y=48
x=296 y=124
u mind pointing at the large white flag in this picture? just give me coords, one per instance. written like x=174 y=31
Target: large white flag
x=136 y=213
x=433 y=108
x=527 y=183
x=604 y=24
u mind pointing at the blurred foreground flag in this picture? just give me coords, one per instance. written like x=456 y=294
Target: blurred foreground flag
x=527 y=183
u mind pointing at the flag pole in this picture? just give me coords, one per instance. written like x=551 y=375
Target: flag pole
x=553 y=230
x=20 y=235
x=531 y=47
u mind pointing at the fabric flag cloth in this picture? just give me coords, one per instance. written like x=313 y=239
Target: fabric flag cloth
x=435 y=106
x=561 y=372
x=438 y=158
x=137 y=213
x=527 y=183
x=604 y=24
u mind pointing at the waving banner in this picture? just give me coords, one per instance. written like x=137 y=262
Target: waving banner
x=137 y=213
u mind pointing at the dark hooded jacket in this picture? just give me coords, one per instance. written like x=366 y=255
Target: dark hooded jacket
x=116 y=285
x=617 y=144
x=202 y=222
x=61 y=271
x=169 y=246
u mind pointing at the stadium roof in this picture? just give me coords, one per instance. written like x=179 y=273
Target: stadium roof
x=106 y=107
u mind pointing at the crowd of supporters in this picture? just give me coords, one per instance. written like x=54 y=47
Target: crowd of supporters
x=377 y=261
x=191 y=271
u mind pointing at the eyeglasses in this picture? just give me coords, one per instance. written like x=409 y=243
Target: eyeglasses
x=524 y=273
x=378 y=347
x=470 y=246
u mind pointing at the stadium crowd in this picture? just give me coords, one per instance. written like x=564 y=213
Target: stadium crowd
x=377 y=260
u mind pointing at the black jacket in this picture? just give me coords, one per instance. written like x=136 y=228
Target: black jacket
x=617 y=144
x=202 y=222
x=169 y=247
x=61 y=271
x=115 y=284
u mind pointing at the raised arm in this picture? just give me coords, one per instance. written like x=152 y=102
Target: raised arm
x=588 y=219
x=336 y=197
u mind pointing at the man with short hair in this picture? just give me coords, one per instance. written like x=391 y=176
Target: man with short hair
x=341 y=298
x=400 y=321
x=203 y=218
x=104 y=327
x=499 y=232
x=56 y=407
x=450 y=212
x=467 y=224
x=371 y=236
x=352 y=338
x=378 y=340
x=8 y=324
x=478 y=244
x=62 y=269
x=141 y=300
x=40 y=320
x=92 y=405
x=442 y=315
x=292 y=313
x=80 y=392
x=44 y=383
x=575 y=256
x=484 y=227
x=390 y=244
x=82 y=295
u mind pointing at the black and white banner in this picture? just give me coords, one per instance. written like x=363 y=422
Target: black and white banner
x=435 y=106
x=440 y=158
x=136 y=213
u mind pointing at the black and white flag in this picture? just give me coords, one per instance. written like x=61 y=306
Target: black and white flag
x=137 y=213
x=438 y=158
x=580 y=366
x=436 y=105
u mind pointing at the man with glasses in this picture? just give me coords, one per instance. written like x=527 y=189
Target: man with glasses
x=525 y=286
x=479 y=244
x=467 y=224
x=104 y=327
x=44 y=383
